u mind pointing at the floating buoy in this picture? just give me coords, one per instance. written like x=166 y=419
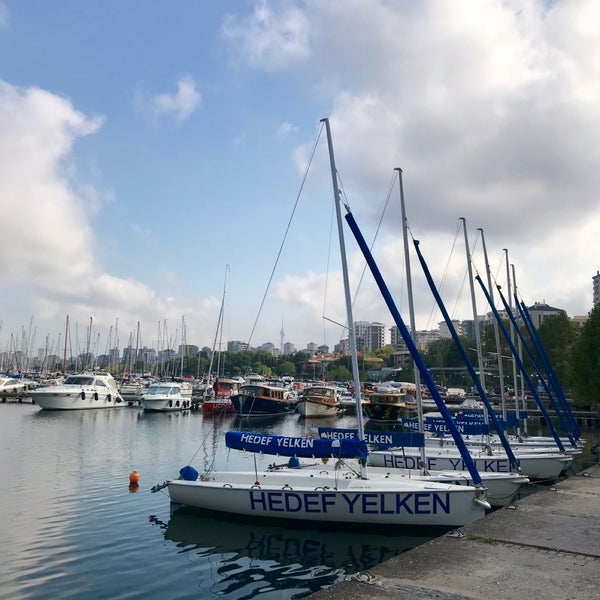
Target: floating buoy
x=134 y=477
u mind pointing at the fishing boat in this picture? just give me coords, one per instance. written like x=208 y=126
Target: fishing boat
x=165 y=396
x=81 y=391
x=325 y=495
x=267 y=397
x=384 y=404
x=319 y=400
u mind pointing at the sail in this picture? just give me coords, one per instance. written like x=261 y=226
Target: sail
x=296 y=446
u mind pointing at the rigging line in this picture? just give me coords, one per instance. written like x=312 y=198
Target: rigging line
x=347 y=205
x=444 y=277
x=331 y=225
x=312 y=154
x=387 y=201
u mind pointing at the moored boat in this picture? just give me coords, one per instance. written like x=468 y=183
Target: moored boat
x=265 y=398
x=539 y=466
x=319 y=400
x=384 y=404
x=81 y=391
x=219 y=400
x=318 y=495
x=325 y=495
x=165 y=396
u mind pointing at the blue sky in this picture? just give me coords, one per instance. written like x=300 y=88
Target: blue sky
x=147 y=147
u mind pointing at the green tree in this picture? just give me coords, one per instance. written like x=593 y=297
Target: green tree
x=557 y=334
x=286 y=368
x=584 y=362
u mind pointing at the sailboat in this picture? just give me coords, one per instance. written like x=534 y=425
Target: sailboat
x=216 y=399
x=317 y=494
x=443 y=455
x=502 y=487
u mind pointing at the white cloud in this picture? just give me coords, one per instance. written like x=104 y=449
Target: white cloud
x=49 y=262
x=179 y=105
x=270 y=39
x=285 y=130
x=491 y=109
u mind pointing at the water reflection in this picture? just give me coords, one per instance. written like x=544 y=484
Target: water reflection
x=258 y=557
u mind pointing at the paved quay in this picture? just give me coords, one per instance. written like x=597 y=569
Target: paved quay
x=546 y=547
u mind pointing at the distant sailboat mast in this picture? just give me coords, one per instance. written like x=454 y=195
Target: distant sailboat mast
x=65 y=350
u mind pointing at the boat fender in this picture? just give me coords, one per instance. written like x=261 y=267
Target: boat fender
x=109 y=398
x=170 y=403
x=95 y=395
x=83 y=395
x=177 y=403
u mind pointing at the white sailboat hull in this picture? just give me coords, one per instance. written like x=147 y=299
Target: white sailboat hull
x=323 y=496
x=502 y=488
x=535 y=466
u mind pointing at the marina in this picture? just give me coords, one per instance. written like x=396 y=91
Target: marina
x=76 y=526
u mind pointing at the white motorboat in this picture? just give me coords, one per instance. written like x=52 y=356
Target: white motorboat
x=81 y=391
x=165 y=396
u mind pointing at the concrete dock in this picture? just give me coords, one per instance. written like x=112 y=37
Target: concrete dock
x=546 y=547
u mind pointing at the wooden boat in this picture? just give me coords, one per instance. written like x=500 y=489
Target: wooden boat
x=265 y=398
x=319 y=401
x=384 y=404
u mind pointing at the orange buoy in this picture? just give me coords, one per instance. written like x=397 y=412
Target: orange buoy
x=134 y=477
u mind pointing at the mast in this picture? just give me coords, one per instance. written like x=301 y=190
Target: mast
x=183 y=343
x=514 y=358
x=475 y=323
x=522 y=401
x=474 y=306
x=425 y=374
x=65 y=351
x=348 y=299
x=496 y=328
x=411 y=310
x=217 y=330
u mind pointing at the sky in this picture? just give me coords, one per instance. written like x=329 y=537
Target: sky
x=163 y=163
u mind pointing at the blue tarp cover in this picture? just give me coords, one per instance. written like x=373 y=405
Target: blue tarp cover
x=296 y=446
x=381 y=439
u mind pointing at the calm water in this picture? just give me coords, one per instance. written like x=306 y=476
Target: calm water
x=71 y=526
